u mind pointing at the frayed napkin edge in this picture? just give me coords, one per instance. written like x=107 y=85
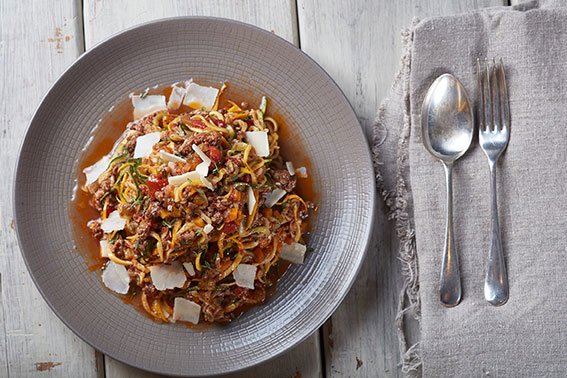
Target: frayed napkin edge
x=396 y=200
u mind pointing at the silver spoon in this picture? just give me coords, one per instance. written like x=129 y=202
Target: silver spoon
x=447 y=131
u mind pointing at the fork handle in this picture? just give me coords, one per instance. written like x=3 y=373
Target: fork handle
x=450 y=285
x=496 y=282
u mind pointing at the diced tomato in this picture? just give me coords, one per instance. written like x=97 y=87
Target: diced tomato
x=229 y=228
x=220 y=123
x=239 y=291
x=198 y=123
x=215 y=154
x=259 y=254
x=156 y=183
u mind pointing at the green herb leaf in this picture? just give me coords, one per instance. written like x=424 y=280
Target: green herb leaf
x=144 y=93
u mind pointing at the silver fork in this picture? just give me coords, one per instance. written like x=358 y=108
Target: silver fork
x=494 y=133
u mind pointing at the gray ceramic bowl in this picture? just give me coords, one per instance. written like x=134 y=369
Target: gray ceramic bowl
x=211 y=50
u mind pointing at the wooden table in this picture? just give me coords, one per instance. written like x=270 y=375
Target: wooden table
x=357 y=42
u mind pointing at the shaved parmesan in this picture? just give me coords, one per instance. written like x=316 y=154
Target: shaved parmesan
x=167 y=276
x=189 y=268
x=274 y=196
x=294 y=252
x=202 y=169
x=201 y=154
x=171 y=157
x=301 y=172
x=208 y=228
x=207 y=183
x=251 y=200
x=244 y=275
x=148 y=104
x=104 y=248
x=259 y=140
x=181 y=179
x=289 y=166
x=93 y=172
x=114 y=222
x=186 y=311
x=176 y=98
x=116 y=277
x=145 y=144
x=198 y=97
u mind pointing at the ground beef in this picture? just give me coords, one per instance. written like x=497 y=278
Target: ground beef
x=144 y=228
x=212 y=138
x=96 y=230
x=127 y=209
x=186 y=237
x=131 y=144
x=218 y=208
x=150 y=290
x=95 y=199
x=287 y=182
x=153 y=211
x=118 y=248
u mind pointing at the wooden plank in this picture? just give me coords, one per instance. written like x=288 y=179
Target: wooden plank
x=358 y=43
x=106 y=17
x=39 y=40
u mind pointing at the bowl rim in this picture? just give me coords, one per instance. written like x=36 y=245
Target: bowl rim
x=364 y=245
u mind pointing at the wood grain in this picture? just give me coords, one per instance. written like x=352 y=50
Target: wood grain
x=38 y=41
x=106 y=17
x=358 y=44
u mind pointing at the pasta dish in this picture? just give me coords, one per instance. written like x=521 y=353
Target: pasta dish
x=198 y=209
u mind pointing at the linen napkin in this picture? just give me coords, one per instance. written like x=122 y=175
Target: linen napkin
x=527 y=337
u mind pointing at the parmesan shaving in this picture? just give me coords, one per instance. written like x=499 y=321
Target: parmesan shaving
x=166 y=277
x=171 y=157
x=198 y=97
x=189 y=268
x=176 y=98
x=301 y=172
x=294 y=252
x=274 y=196
x=202 y=169
x=251 y=200
x=116 y=277
x=93 y=172
x=114 y=222
x=145 y=144
x=244 y=275
x=259 y=140
x=208 y=228
x=201 y=154
x=147 y=105
x=186 y=311
x=104 y=248
x=289 y=166
x=181 y=179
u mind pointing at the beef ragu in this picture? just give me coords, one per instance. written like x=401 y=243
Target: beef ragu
x=194 y=210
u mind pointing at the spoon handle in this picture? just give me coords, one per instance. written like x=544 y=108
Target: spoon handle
x=496 y=282
x=450 y=285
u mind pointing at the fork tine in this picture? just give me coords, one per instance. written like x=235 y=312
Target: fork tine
x=495 y=96
x=504 y=104
x=481 y=112
x=488 y=108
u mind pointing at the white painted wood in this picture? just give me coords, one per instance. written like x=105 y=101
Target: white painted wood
x=38 y=40
x=358 y=44
x=106 y=17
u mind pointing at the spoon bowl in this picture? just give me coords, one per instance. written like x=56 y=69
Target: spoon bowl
x=447 y=127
